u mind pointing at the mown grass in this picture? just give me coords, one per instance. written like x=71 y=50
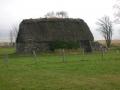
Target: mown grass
x=7 y=50
x=49 y=72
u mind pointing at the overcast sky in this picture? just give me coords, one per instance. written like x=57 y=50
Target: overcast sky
x=12 y=12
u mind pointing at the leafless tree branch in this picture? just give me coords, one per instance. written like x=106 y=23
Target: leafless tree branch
x=105 y=27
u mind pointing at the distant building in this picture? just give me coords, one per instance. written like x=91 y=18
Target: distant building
x=37 y=34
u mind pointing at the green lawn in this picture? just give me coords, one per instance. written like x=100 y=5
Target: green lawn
x=49 y=72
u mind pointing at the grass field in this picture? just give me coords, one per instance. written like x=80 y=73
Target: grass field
x=49 y=72
x=114 y=42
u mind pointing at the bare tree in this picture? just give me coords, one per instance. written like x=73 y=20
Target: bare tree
x=13 y=35
x=11 y=38
x=105 y=27
x=50 y=15
x=117 y=11
x=15 y=32
x=61 y=14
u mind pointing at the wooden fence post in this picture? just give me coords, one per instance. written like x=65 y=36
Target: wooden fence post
x=6 y=59
x=63 y=55
x=35 y=56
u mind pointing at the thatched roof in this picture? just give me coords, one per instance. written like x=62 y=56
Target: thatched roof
x=51 y=29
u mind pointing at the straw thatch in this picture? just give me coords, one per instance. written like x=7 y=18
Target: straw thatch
x=36 y=34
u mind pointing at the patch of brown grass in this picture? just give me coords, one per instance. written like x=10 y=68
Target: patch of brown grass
x=114 y=42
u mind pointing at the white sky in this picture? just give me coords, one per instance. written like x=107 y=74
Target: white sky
x=14 y=11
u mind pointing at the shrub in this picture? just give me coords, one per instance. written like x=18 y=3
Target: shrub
x=62 y=44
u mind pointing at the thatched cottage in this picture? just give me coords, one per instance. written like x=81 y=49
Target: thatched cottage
x=37 y=34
